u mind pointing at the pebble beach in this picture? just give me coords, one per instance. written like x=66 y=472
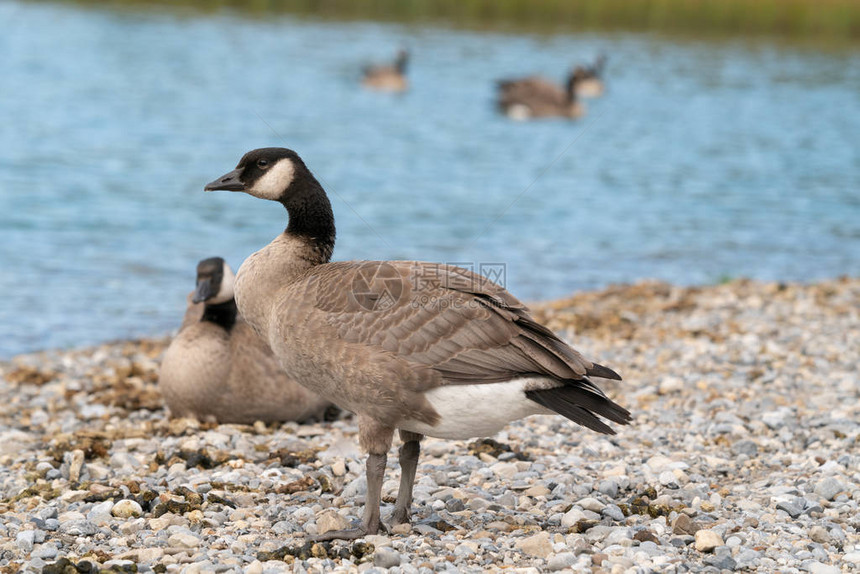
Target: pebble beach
x=744 y=455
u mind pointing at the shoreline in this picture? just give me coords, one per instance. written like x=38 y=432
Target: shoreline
x=743 y=454
x=781 y=19
x=555 y=313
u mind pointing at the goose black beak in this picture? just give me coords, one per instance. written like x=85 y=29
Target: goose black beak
x=227 y=182
x=204 y=290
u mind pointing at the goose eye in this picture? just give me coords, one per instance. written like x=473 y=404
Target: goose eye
x=262 y=163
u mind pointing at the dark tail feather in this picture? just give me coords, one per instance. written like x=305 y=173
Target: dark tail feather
x=602 y=372
x=581 y=406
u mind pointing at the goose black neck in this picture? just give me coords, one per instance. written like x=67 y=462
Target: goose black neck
x=400 y=64
x=222 y=314
x=571 y=89
x=311 y=216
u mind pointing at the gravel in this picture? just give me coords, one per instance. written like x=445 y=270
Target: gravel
x=743 y=456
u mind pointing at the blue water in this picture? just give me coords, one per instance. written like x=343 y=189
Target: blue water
x=705 y=159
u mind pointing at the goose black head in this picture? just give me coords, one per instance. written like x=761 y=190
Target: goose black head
x=214 y=282
x=267 y=173
x=280 y=174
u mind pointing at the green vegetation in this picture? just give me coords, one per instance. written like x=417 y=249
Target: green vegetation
x=820 y=19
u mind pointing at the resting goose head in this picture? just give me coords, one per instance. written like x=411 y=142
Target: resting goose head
x=267 y=173
x=214 y=282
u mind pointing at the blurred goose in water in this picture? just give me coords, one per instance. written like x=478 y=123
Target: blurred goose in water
x=451 y=355
x=536 y=97
x=590 y=83
x=217 y=368
x=389 y=78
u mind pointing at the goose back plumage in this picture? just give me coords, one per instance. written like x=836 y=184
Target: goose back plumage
x=458 y=329
x=537 y=97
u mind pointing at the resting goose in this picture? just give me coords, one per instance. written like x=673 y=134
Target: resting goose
x=217 y=368
x=536 y=97
x=422 y=348
x=388 y=78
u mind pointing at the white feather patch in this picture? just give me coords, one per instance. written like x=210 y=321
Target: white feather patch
x=225 y=291
x=275 y=181
x=469 y=411
x=519 y=112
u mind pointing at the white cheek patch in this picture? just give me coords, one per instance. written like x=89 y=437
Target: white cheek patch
x=225 y=292
x=275 y=181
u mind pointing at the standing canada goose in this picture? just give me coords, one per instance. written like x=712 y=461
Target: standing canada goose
x=423 y=348
x=536 y=97
x=590 y=84
x=387 y=78
x=218 y=368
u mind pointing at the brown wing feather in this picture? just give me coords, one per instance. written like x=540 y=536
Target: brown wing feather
x=461 y=325
x=533 y=91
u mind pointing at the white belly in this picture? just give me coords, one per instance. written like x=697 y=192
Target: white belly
x=519 y=112
x=469 y=411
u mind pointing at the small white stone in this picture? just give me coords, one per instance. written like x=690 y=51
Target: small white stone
x=561 y=561
x=571 y=517
x=592 y=504
x=659 y=463
x=74 y=496
x=386 y=557
x=183 y=540
x=608 y=487
x=537 y=490
x=149 y=554
x=329 y=520
x=100 y=514
x=829 y=488
x=126 y=509
x=132 y=526
x=75 y=466
x=504 y=469
x=819 y=568
x=70 y=516
x=707 y=540
x=378 y=540
x=670 y=384
x=338 y=468
x=25 y=540
x=538 y=545
x=667 y=478
x=97 y=471
x=159 y=523
x=852 y=558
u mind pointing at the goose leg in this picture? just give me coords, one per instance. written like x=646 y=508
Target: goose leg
x=376 y=439
x=409 y=451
